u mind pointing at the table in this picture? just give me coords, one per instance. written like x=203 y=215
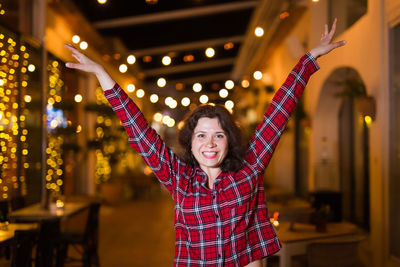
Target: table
x=34 y=213
x=294 y=242
x=7 y=232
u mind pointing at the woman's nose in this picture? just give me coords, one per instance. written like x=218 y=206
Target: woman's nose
x=210 y=142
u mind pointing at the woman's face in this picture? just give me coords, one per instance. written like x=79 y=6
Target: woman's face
x=209 y=143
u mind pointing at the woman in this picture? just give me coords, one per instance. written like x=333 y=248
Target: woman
x=220 y=211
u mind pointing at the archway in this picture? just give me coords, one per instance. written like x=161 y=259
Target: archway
x=341 y=149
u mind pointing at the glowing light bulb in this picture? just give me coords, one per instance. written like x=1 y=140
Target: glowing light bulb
x=161 y=82
x=131 y=87
x=203 y=99
x=229 y=84
x=78 y=98
x=210 y=52
x=154 y=98
x=259 y=31
x=140 y=93
x=131 y=59
x=185 y=101
x=223 y=93
x=166 y=60
x=83 y=45
x=197 y=87
x=76 y=39
x=123 y=68
x=257 y=75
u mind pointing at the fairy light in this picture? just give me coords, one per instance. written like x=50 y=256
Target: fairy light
x=131 y=59
x=12 y=117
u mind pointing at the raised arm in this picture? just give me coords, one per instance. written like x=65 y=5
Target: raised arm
x=284 y=101
x=142 y=137
x=87 y=65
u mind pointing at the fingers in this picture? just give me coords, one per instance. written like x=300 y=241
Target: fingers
x=333 y=29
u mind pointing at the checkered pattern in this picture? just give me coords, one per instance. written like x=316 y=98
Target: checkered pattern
x=228 y=225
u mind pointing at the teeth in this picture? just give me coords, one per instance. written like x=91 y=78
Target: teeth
x=210 y=153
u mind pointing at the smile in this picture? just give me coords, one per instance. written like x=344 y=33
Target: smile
x=210 y=155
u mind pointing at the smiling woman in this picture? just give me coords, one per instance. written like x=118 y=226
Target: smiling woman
x=220 y=211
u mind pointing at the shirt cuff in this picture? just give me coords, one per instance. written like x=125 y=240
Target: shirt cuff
x=310 y=63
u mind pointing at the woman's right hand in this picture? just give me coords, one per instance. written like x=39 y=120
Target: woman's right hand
x=87 y=65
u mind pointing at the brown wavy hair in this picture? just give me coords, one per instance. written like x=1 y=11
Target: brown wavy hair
x=234 y=158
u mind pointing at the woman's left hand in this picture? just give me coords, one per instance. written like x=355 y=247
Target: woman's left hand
x=326 y=45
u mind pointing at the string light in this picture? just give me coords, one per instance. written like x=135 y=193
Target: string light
x=210 y=52
x=131 y=59
x=76 y=39
x=83 y=45
x=257 y=75
x=166 y=60
x=131 y=88
x=197 y=87
x=161 y=82
x=123 y=68
x=229 y=84
x=185 y=101
x=259 y=32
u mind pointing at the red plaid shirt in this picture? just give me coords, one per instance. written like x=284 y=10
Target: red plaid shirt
x=227 y=225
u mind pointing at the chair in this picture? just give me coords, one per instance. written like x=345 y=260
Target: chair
x=48 y=243
x=86 y=241
x=23 y=243
x=334 y=253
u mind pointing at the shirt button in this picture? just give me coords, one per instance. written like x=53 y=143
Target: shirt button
x=216 y=215
x=219 y=256
x=217 y=235
x=213 y=196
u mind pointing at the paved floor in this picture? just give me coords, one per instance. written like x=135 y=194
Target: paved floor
x=138 y=233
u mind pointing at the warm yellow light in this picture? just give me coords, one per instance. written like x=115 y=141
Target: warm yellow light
x=102 y=2
x=78 y=98
x=76 y=39
x=223 y=93
x=228 y=46
x=123 y=68
x=161 y=82
x=173 y=104
x=171 y=123
x=245 y=83
x=165 y=119
x=257 y=75
x=154 y=98
x=315 y=1
x=229 y=84
x=203 y=99
x=197 y=87
x=259 y=31
x=83 y=45
x=131 y=59
x=31 y=68
x=368 y=120
x=140 y=93
x=185 y=101
x=131 y=87
x=166 y=60
x=229 y=104
x=78 y=129
x=158 y=117
x=1 y=82
x=210 y=52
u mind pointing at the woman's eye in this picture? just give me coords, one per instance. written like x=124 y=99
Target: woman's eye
x=200 y=135
x=220 y=136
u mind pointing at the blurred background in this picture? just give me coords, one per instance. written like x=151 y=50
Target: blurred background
x=61 y=140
